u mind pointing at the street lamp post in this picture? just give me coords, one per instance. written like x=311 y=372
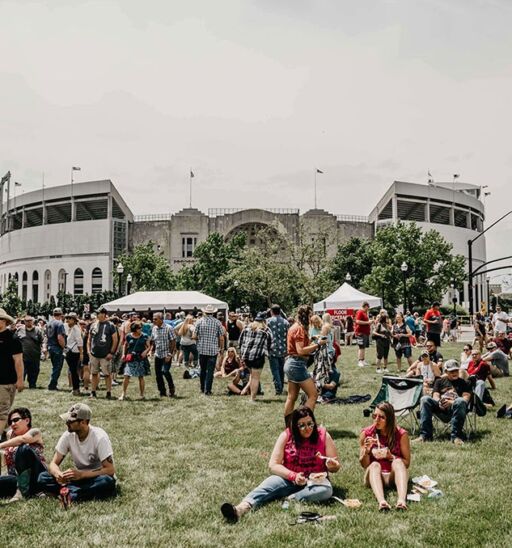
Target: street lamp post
x=404 y=267
x=454 y=298
x=120 y=270
x=129 y=284
x=470 y=262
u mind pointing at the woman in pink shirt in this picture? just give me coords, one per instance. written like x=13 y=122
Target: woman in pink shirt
x=385 y=454
x=302 y=458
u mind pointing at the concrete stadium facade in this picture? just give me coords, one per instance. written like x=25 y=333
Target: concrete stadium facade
x=69 y=237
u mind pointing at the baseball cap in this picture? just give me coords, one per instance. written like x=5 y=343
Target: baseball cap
x=491 y=345
x=451 y=365
x=78 y=411
x=57 y=311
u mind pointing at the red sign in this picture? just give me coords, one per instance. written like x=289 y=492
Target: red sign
x=340 y=313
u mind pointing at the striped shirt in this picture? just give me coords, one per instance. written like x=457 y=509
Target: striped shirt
x=255 y=343
x=162 y=336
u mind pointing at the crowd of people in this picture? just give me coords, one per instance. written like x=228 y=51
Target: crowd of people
x=234 y=350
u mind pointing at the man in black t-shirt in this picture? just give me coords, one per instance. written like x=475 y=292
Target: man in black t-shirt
x=435 y=356
x=11 y=367
x=449 y=402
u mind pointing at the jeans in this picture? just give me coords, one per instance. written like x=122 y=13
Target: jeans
x=187 y=350
x=31 y=371
x=456 y=415
x=100 y=487
x=275 y=487
x=73 y=361
x=479 y=389
x=28 y=467
x=163 y=370
x=207 y=365
x=277 y=368
x=57 y=359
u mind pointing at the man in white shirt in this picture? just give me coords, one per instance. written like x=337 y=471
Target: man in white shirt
x=500 y=320
x=93 y=474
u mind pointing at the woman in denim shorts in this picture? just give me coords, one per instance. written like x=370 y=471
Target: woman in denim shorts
x=299 y=348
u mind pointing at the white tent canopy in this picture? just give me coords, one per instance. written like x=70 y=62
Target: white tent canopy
x=346 y=296
x=160 y=300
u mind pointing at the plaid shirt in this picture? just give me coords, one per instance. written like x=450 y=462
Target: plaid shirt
x=208 y=331
x=162 y=336
x=255 y=344
x=279 y=328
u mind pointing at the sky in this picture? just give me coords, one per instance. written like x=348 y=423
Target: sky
x=254 y=95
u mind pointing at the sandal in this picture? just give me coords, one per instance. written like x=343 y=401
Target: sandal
x=384 y=506
x=402 y=506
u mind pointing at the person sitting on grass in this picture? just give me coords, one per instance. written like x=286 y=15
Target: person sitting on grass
x=330 y=386
x=497 y=359
x=23 y=453
x=240 y=385
x=435 y=356
x=93 y=474
x=385 y=454
x=229 y=365
x=449 y=402
x=424 y=367
x=303 y=456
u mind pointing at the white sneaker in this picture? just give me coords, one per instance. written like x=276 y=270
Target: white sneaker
x=379 y=370
x=360 y=363
x=365 y=362
x=385 y=370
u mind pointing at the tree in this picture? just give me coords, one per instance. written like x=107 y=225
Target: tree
x=215 y=257
x=431 y=265
x=150 y=271
x=10 y=301
x=354 y=257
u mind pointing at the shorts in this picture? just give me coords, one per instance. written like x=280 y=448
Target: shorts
x=100 y=363
x=363 y=340
x=435 y=338
x=7 y=393
x=296 y=370
x=258 y=363
x=405 y=351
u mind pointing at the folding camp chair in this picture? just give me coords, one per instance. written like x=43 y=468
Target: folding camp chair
x=404 y=395
x=476 y=409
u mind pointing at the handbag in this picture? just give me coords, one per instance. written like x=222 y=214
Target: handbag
x=128 y=358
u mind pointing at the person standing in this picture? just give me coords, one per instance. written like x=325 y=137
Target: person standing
x=279 y=328
x=32 y=342
x=362 y=332
x=209 y=334
x=135 y=353
x=11 y=367
x=74 y=350
x=56 y=341
x=382 y=336
x=500 y=321
x=102 y=347
x=188 y=344
x=434 y=322
x=255 y=342
x=163 y=341
x=234 y=327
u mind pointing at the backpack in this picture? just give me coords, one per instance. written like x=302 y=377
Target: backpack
x=50 y=329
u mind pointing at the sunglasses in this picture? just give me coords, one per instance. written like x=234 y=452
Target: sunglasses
x=305 y=425
x=14 y=421
x=71 y=421
x=466 y=349
x=378 y=417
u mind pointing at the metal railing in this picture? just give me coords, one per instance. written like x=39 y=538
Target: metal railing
x=153 y=217
x=217 y=212
x=352 y=218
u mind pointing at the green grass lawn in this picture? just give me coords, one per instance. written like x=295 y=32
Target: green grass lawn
x=178 y=460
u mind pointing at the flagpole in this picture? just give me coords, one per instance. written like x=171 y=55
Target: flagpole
x=190 y=187
x=315 y=185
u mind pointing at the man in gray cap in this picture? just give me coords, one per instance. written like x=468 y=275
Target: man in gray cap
x=11 y=367
x=93 y=474
x=56 y=335
x=449 y=402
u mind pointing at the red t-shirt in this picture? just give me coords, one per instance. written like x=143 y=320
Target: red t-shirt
x=432 y=314
x=361 y=315
x=296 y=333
x=480 y=370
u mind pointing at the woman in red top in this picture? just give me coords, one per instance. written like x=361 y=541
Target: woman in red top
x=385 y=454
x=303 y=456
x=299 y=349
